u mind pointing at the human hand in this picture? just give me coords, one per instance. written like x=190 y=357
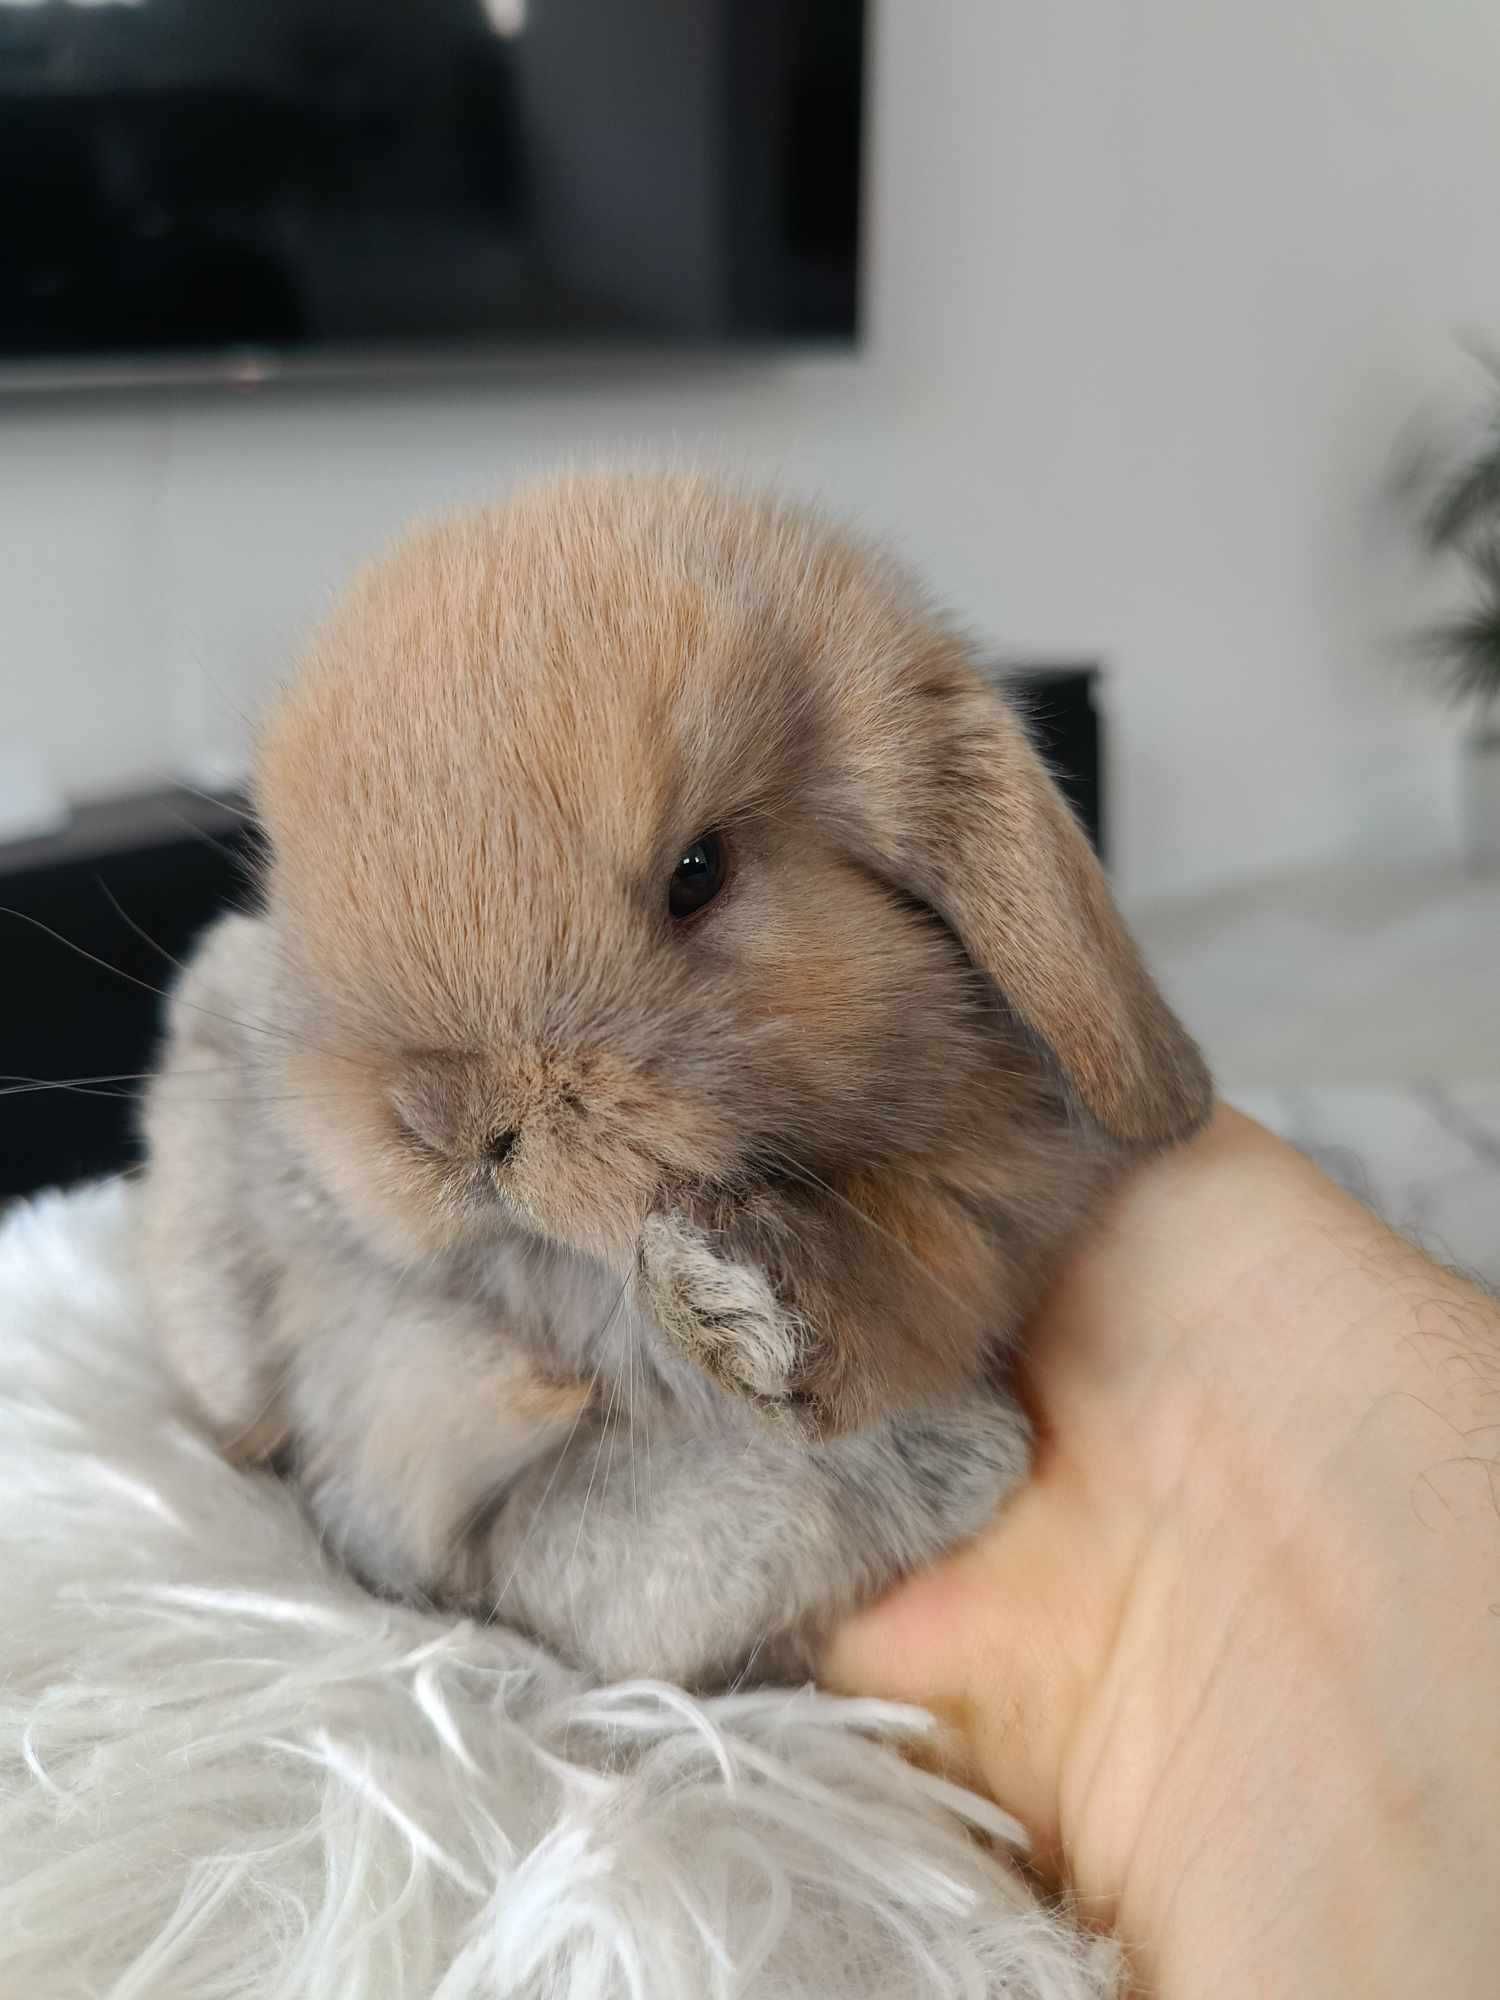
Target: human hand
x=1233 y=1654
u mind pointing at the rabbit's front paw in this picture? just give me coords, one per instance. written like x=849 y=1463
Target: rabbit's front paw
x=724 y=1316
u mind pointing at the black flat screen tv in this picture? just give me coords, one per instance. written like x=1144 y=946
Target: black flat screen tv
x=241 y=187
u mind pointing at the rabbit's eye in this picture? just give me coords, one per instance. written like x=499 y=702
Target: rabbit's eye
x=698 y=876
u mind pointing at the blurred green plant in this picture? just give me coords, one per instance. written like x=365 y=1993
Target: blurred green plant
x=1460 y=518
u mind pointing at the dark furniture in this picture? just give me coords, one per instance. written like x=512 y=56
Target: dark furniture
x=92 y=920
x=1062 y=714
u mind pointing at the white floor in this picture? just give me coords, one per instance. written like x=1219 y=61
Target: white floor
x=1340 y=976
x=1359 y=1015
x=1426 y=1157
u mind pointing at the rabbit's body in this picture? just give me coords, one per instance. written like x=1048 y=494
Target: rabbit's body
x=642 y=1279
x=505 y=1428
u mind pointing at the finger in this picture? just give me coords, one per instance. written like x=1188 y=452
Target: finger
x=1001 y=1642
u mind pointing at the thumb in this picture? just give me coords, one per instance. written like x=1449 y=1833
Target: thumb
x=997 y=1642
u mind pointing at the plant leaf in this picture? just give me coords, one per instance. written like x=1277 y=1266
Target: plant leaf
x=1466 y=648
x=1466 y=506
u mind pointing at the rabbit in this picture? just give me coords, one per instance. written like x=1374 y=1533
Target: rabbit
x=683 y=1030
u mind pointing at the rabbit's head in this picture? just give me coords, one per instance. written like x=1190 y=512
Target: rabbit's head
x=636 y=845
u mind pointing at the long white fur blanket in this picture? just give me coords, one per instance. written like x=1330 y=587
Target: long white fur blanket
x=227 y=1771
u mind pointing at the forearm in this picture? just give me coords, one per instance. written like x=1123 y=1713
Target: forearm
x=1332 y=1689
x=1339 y=1675
x=1233 y=1653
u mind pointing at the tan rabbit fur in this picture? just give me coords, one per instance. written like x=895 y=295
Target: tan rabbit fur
x=518 y=1162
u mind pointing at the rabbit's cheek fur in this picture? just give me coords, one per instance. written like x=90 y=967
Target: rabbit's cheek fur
x=861 y=1019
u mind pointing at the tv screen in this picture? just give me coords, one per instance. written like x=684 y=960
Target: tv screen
x=237 y=185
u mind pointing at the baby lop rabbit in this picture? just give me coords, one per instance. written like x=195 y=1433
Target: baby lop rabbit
x=683 y=1029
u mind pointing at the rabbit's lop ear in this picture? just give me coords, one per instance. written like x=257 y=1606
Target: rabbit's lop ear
x=963 y=814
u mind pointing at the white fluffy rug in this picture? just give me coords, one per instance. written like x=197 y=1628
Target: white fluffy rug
x=226 y=1771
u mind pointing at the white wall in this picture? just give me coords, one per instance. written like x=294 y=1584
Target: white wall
x=1155 y=285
